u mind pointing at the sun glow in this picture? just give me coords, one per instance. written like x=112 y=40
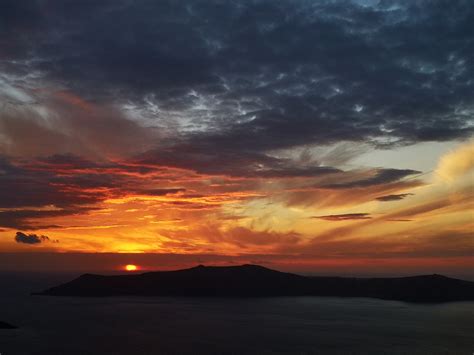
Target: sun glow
x=131 y=267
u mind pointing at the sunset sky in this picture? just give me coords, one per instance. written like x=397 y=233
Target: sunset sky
x=331 y=136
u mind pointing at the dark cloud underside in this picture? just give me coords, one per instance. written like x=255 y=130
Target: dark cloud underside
x=259 y=75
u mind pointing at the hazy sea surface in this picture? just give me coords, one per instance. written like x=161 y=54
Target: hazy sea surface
x=289 y=325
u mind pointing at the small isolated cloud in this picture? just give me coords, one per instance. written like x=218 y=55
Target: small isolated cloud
x=395 y=197
x=344 y=217
x=32 y=238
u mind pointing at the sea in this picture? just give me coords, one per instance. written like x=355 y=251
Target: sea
x=281 y=325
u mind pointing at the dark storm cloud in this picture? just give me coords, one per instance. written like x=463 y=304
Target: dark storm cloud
x=261 y=75
x=344 y=217
x=30 y=238
x=395 y=197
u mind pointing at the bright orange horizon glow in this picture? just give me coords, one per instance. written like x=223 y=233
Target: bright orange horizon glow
x=131 y=267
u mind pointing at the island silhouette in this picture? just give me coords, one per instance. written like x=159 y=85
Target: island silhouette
x=258 y=281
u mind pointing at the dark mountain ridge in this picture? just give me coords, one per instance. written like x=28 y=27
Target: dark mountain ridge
x=258 y=281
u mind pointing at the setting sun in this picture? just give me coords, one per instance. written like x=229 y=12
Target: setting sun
x=131 y=267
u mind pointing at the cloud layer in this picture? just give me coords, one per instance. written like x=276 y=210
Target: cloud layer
x=257 y=75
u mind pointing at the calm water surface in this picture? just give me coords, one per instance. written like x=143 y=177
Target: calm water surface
x=293 y=325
